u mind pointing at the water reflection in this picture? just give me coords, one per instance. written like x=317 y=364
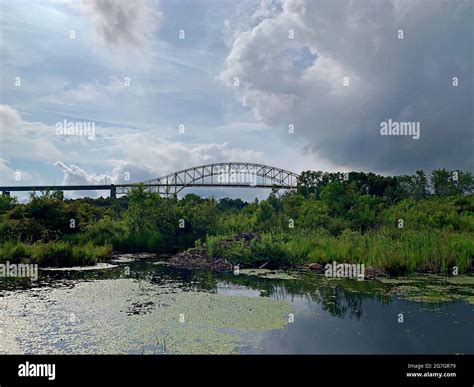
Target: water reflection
x=331 y=315
x=340 y=298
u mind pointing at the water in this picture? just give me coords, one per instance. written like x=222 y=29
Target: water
x=144 y=307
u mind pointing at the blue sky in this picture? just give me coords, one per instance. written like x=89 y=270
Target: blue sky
x=127 y=71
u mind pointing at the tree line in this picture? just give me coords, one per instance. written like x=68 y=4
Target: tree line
x=329 y=215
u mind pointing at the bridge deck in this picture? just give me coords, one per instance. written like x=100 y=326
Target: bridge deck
x=234 y=174
x=108 y=187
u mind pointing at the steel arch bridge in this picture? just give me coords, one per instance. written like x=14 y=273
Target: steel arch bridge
x=230 y=174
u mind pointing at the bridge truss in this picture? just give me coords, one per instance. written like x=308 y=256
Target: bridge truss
x=230 y=174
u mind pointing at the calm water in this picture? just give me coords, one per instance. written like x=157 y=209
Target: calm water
x=144 y=307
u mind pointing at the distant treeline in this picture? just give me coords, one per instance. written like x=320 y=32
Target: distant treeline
x=400 y=223
x=441 y=182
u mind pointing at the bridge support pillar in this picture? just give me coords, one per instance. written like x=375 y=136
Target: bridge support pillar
x=6 y=193
x=113 y=191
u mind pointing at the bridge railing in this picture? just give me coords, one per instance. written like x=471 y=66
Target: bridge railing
x=230 y=174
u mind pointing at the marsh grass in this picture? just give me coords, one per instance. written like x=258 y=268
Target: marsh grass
x=56 y=253
x=395 y=251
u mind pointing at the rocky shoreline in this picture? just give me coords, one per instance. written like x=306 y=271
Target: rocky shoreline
x=197 y=258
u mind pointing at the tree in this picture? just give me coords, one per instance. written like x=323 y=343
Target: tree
x=443 y=182
x=420 y=185
x=141 y=209
x=465 y=183
x=338 y=197
x=312 y=182
x=265 y=216
x=414 y=186
x=7 y=203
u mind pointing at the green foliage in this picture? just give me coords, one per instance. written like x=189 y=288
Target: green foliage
x=104 y=231
x=14 y=252
x=446 y=182
x=331 y=216
x=7 y=203
x=57 y=253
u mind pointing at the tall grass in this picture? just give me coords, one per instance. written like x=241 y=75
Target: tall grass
x=396 y=251
x=14 y=252
x=57 y=253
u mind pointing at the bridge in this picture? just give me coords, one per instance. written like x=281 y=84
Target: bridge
x=229 y=175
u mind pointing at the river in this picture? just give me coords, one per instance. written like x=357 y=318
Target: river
x=143 y=306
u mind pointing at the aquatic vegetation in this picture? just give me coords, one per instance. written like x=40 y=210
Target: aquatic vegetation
x=461 y=280
x=160 y=309
x=268 y=274
x=235 y=312
x=432 y=288
x=187 y=321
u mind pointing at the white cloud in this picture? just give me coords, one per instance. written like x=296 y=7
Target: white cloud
x=74 y=175
x=13 y=176
x=147 y=160
x=104 y=94
x=146 y=150
x=11 y=123
x=19 y=138
x=125 y=28
x=407 y=79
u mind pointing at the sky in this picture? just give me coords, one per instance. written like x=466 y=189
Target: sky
x=297 y=84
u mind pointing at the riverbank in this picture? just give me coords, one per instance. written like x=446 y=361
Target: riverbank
x=383 y=254
x=55 y=253
x=370 y=220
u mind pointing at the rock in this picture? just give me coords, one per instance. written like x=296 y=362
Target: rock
x=198 y=259
x=373 y=272
x=315 y=267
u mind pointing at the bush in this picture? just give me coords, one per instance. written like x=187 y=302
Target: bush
x=53 y=254
x=58 y=253
x=14 y=252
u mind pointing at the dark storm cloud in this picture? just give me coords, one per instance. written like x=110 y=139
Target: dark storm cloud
x=405 y=80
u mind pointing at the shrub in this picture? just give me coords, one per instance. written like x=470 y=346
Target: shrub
x=14 y=252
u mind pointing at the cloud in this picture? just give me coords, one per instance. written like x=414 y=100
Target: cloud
x=148 y=160
x=74 y=175
x=10 y=121
x=19 y=138
x=11 y=176
x=164 y=157
x=125 y=27
x=124 y=172
x=104 y=94
x=407 y=79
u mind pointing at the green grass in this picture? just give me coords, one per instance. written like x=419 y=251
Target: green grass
x=57 y=253
x=395 y=251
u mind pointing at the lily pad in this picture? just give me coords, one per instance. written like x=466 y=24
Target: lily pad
x=268 y=274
